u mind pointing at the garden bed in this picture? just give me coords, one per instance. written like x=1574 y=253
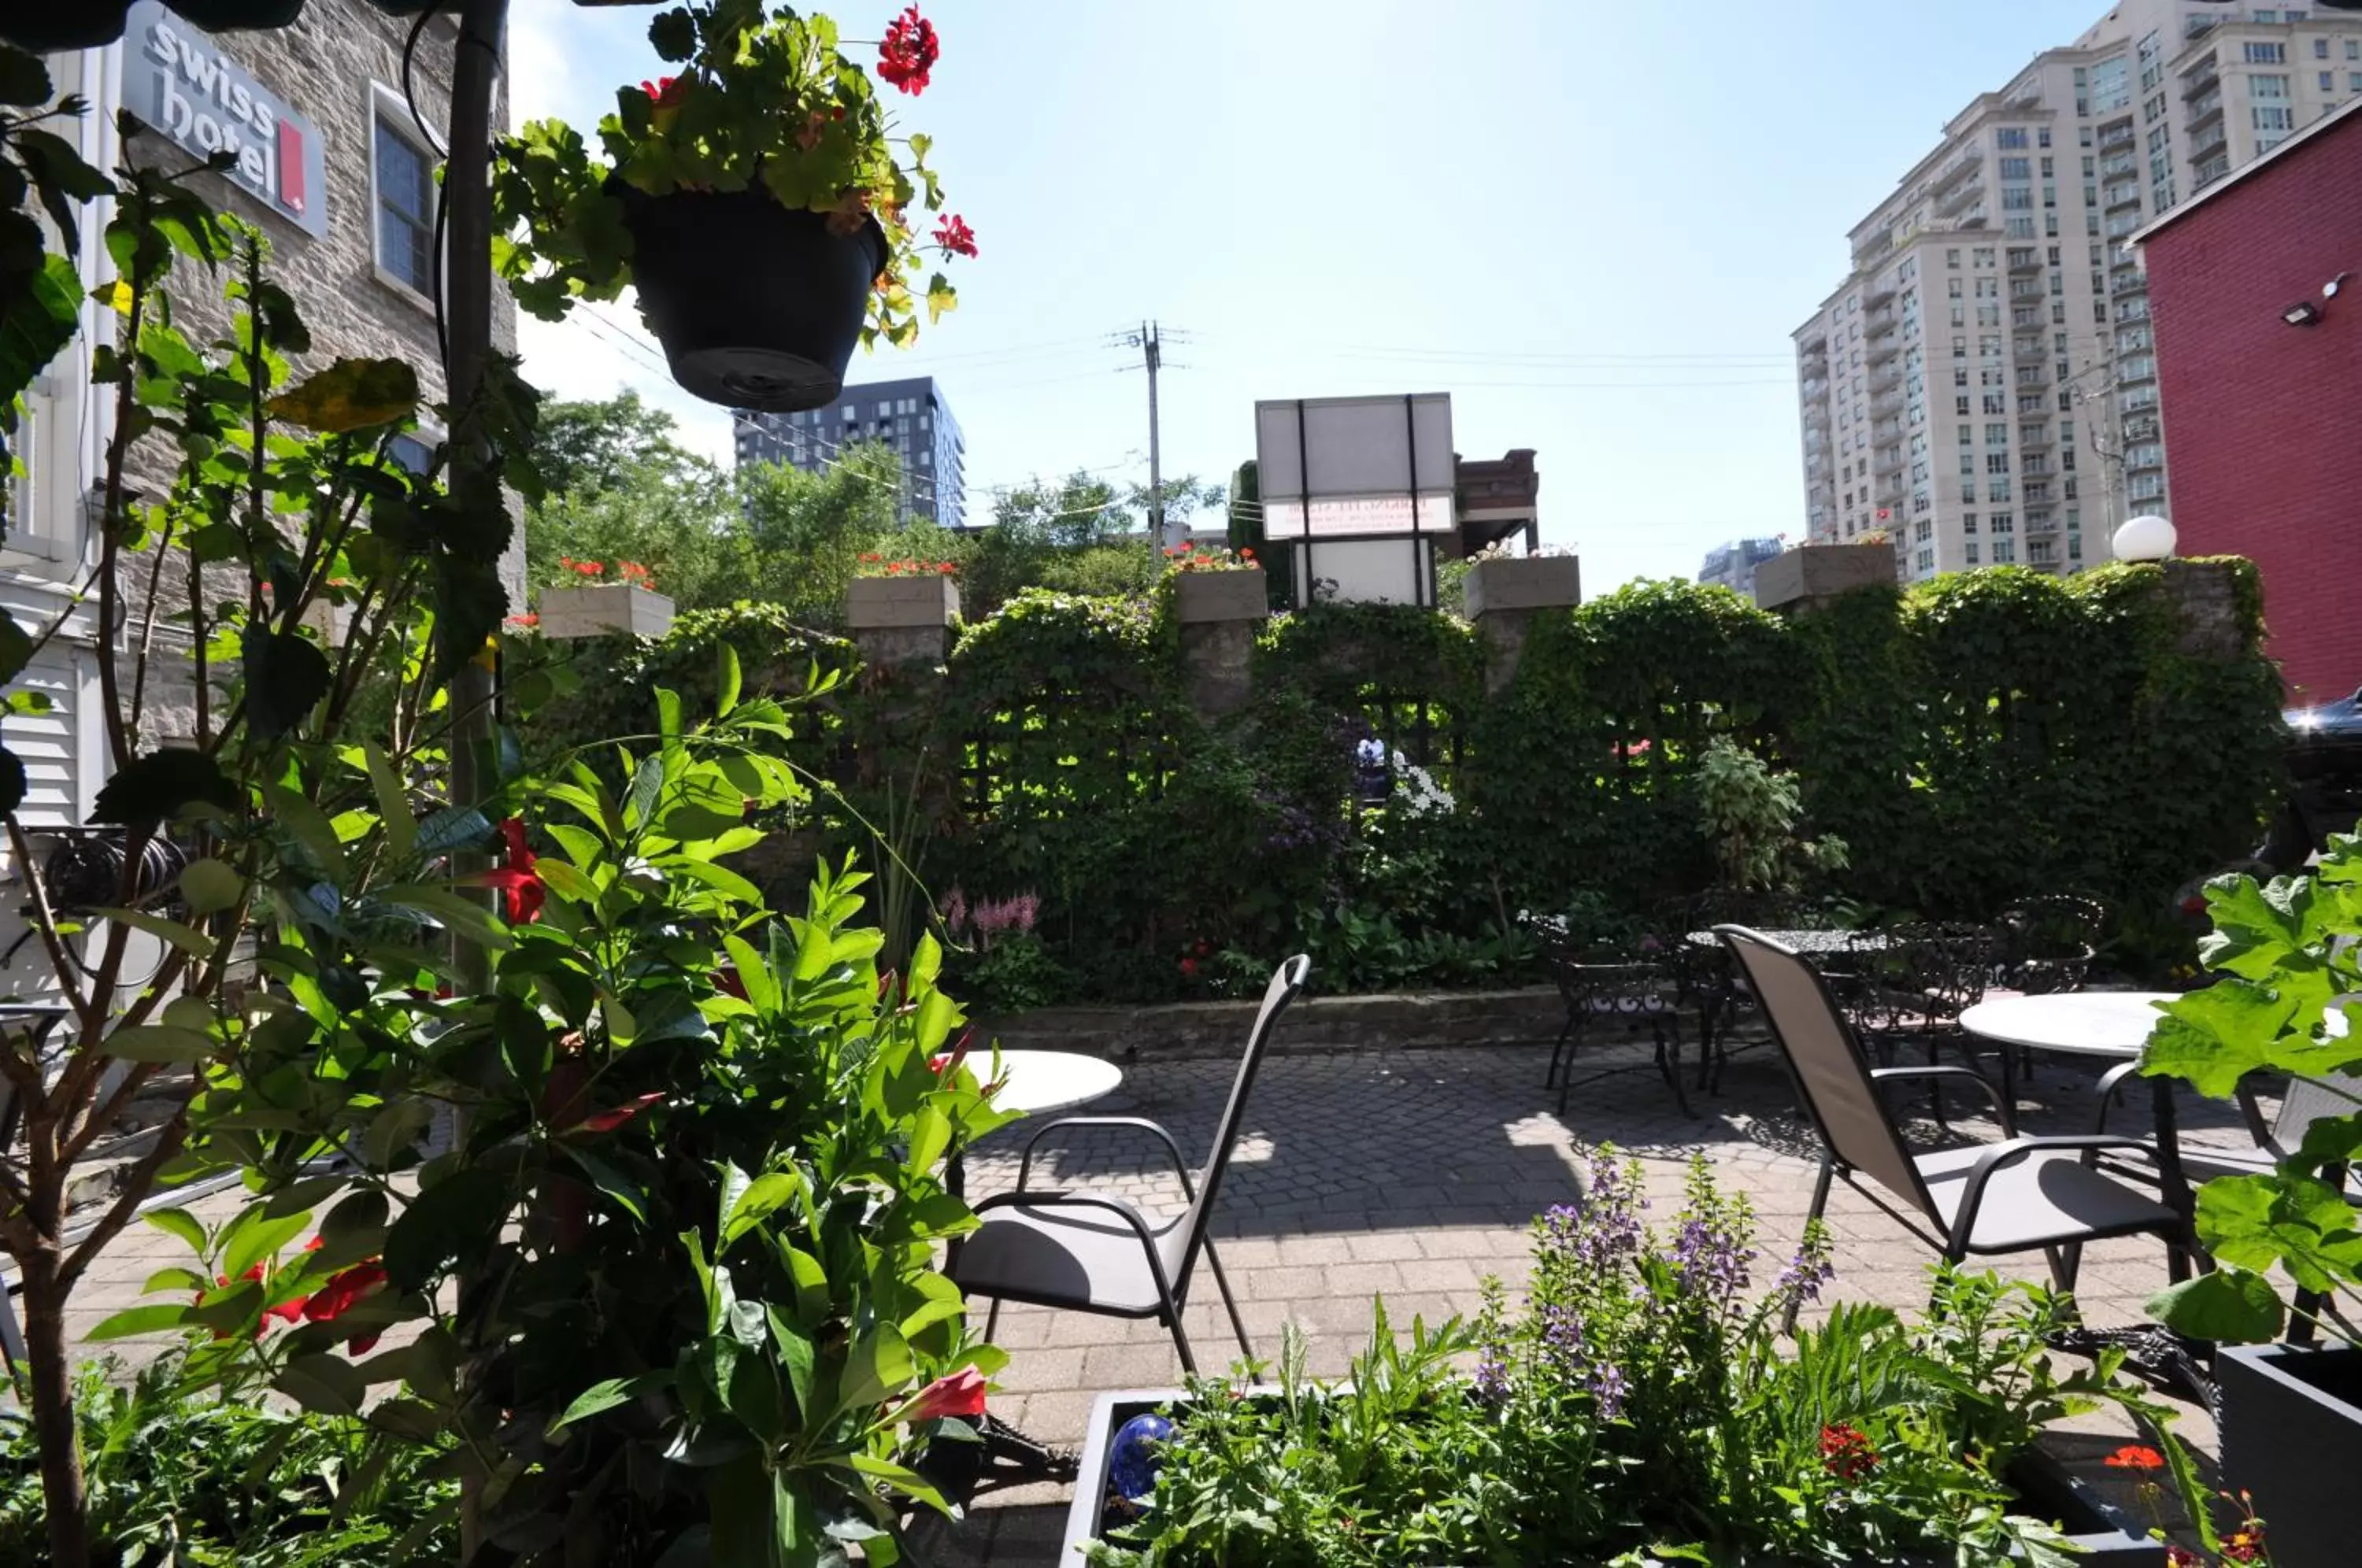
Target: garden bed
x=2047 y=1482
x=1403 y=1021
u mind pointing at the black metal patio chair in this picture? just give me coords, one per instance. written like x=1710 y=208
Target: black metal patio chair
x=1087 y=1252
x=2020 y=1194
x=1626 y=991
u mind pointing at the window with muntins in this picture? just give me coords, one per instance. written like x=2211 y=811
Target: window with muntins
x=405 y=208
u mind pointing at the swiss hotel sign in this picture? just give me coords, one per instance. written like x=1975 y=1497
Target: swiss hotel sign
x=184 y=88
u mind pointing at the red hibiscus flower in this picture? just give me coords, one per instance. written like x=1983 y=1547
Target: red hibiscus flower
x=959 y=1393
x=909 y=51
x=949 y=1062
x=339 y=1296
x=953 y=234
x=1847 y=1454
x=521 y=892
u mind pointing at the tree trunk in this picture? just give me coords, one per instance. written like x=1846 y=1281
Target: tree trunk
x=51 y=1374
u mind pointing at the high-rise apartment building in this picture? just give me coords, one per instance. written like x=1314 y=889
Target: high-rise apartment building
x=909 y=417
x=1982 y=386
x=1733 y=566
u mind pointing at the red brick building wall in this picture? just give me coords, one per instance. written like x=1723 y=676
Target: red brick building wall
x=2263 y=420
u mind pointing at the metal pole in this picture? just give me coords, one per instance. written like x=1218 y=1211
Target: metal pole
x=468 y=301
x=1148 y=347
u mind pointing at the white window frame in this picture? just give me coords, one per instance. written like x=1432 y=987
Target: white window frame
x=389 y=107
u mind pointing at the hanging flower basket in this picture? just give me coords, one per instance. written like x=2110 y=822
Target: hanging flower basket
x=761 y=200
x=777 y=335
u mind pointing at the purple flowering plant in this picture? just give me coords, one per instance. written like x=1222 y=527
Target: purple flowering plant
x=1643 y=1407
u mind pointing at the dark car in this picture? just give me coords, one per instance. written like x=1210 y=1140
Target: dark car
x=2324 y=759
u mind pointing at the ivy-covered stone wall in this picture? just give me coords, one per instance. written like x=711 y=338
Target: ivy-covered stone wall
x=1385 y=801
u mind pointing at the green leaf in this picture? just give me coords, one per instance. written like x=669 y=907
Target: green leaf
x=795 y=1353
x=2304 y=1225
x=286 y=677
x=879 y=1366
x=2229 y=1305
x=455 y=911
x=158 y=1043
x=392 y=803
x=901 y=1478
x=610 y=1181
x=606 y=1396
x=351 y=394
x=163 y=784
x=209 y=884
x=727 y=683
x=16 y=649
x=762 y=1197
x=313 y=830
x=325 y=1385
x=186 y=1281
x=260 y=1238
x=179 y=1224
x=13 y=781
x=452 y=1221
x=194 y=943
x=647 y=785
x=134 y=1321
x=2214 y=1037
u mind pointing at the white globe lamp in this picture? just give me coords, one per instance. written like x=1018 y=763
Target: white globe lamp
x=2145 y=539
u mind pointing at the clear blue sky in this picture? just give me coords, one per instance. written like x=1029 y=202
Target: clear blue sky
x=1594 y=225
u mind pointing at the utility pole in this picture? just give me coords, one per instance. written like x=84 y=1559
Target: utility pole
x=1152 y=351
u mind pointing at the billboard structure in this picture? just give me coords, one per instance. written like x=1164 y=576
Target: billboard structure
x=1358 y=490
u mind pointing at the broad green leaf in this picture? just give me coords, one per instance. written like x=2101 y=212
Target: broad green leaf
x=189 y=940
x=567 y=881
x=392 y=803
x=2214 y=1037
x=449 y=1220
x=647 y=786
x=455 y=910
x=179 y=1224
x=727 y=682
x=207 y=885
x=351 y=394
x=901 y=1478
x=795 y=1353
x=158 y=1043
x=259 y=1240
x=2303 y=1225
x=754 y=975
x=610 y=1181
x=878 y=1367
x=325 y=1385
x=187 y=1281
x=164 y=784
x=312 y=829
x=607 y=1395
x=2230 y=1305
x=763 y=1197
x=930 y=1136
x=134 y=1321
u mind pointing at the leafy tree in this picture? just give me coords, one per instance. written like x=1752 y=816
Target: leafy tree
x=802 y=535
x=680 y=526
x=601 y=444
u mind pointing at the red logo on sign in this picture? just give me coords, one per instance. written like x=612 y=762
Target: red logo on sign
x=1883 y=512
x=291 y=166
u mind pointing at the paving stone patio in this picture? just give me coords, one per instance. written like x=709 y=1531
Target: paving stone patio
x=1413 y=1175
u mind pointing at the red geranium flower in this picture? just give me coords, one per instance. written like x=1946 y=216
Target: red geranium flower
x=521 y=892
x=959 y=1393
x=953 y=234
x=590 y=569
x=1188 y=968
x=1846 y=1452
x=909 y=51
x=2135 y=1456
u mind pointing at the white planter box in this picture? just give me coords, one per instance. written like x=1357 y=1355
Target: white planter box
x=1199 y=596
x=1522 y=582
x=608 y=607
x=873 y=603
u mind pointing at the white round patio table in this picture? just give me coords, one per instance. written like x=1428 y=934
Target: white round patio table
x=2111 y=1024
x=2077 y=1024
x=1035 y=1083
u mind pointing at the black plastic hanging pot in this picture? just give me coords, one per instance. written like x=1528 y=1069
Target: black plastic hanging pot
x=758 y=305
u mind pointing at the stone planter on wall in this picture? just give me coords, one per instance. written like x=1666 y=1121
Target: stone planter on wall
x=1802 y=578
x=1201 y=596
x=1522 y=582
x=596 y=610
x=1219 y=612
x=882 y=602
x=1502 y=598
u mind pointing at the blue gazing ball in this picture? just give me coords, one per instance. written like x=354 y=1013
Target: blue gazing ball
x=1133 y=1458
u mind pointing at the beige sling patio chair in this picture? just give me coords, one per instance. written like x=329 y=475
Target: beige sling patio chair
x=2019 y=1195
x=1091 y=1251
